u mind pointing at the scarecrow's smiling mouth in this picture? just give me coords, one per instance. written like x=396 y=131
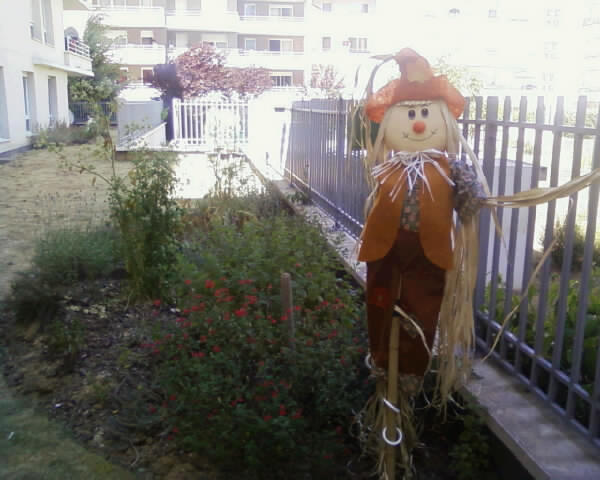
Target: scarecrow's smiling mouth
x=433 y=132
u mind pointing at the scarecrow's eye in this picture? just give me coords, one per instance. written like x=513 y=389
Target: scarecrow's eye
x=412 y=114
x=424 y=112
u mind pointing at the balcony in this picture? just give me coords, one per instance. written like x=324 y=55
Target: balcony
x=272 y=25
x=77 y=56
x=255 y=58
x=135 y=54
x=203 y=20
x=132 y=16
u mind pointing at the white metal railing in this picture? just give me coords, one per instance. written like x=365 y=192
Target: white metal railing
x=77 y=47
x=271 y=18
x=128 y=8
x=240 y=52
x=231 y=13
x=154 y=46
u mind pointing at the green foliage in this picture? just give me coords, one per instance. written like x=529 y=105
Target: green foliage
x=67 y=255
x=470 y=455
x=149 y=221
x=550 y=324
x=459 y=76
x=65 y=338
x=560 y=233
x=63 y=134
x=104 y=86
x=236 y=385
x=33 y=300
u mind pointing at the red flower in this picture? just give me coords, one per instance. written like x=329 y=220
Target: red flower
x=261 y=363
x=297 y=414
x=196 y=308
x=180 y=319
x=284 y=318
x=175 y=430
x=332 y=334
x=198 y=354
x=251 y=340
x=298 y=265
x=309 y=274
x=154 y=313
x=188 y=282
x=267 y=418
x=216 y=349
x=327 y=456
x=156 y=303
x=172 y=397
x=186 y=311
x=209 y=284
x=208 y=321
x=186 y=336
x=309 y=342
x=282 y=412
x=298 y=308
x=240 y=312
x=202 y=339
x=152 y=409
x=273 y=321
x=226 y=315
x=339 y=430
x=219 y=292
x=274 y=394
x=251 y=299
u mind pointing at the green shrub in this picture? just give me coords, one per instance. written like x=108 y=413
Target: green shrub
x=64 y=256
x=64 y=134
x=237 y=387
x=470 y=455
x=65 y=338
x=560 y=233
x=33 y=300
x=149 y=221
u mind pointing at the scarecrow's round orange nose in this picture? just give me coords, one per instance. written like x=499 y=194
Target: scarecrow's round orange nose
x=419 y=127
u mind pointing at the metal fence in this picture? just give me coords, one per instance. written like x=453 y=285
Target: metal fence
x=82 y=111
x=552 y=343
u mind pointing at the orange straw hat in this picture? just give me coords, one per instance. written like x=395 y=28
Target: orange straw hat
x=416 y=82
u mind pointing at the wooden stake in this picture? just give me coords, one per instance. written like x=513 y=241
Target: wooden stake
x=287 y=303
x=392 y=396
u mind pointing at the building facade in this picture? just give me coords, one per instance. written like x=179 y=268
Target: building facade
x=36 y=59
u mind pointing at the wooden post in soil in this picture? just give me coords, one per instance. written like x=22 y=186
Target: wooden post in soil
x=392 y=397
x=287 y=303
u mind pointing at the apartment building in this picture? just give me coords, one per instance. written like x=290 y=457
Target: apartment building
x=268 y=34
x=36 y=59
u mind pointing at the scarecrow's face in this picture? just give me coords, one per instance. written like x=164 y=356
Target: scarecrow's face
x=416 y=126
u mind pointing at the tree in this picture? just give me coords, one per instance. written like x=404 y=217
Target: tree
x=105 y=85
x=202 y=70
x=327 y=79
x=459 y=76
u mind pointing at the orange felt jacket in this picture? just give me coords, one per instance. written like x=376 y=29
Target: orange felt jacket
x=435 y=218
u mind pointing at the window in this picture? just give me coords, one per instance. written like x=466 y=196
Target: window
x=216 y=44
x=364 y=8
x=281 y=11
x=147 y=37
x=327 y=6
x=250 y=43
x=250 y=10
x=47 y=25
x=358 y=44
x=326 y=43
x=553 y=17
x=123 y=74
x=52 y=101
x=27 y=103
x=147 y=75
x=283 y=45
x=550 y=50
x=281 y=79
x=4 y=135
x=118 y=37
x=35 y=26
x=492 y=13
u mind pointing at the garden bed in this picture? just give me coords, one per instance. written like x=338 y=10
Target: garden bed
x=204 y=380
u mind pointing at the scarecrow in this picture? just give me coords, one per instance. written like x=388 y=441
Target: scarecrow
x=420 y=246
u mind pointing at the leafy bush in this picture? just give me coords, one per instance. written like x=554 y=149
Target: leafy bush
x=64 y=256
x=64 y=134
x=239 y=387
x=149 y=221
x=236 y=385
x=560 y=233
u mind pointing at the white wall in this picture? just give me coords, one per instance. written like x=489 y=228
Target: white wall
x=20 y=54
